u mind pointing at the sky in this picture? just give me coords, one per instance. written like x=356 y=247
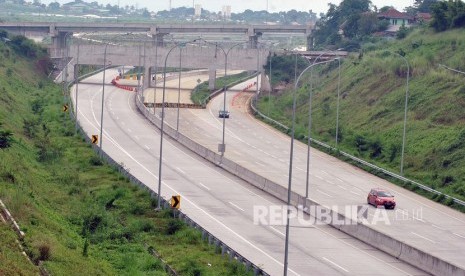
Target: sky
x=317 y=6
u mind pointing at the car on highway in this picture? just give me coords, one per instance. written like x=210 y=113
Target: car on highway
x=223 y=114
x=378 y=197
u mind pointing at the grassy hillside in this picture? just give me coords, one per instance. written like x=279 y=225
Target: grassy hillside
x=80 y=217
x=373 y=86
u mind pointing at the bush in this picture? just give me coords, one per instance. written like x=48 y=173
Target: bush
x=95 y=161
x=174 y=225
x=44 y=252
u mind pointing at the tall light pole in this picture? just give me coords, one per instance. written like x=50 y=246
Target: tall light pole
x=103 y=95
x=289 y=188
x=222 y=146
x=179 y=86
x=307 y=178
x=338 y=96
x=271 y=87
x=163 y=123
x=76 y=87
x=405 y=113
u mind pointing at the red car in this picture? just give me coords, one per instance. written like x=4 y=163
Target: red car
x=378 y=197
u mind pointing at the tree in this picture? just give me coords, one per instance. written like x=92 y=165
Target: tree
x=424 y=5
x=448 y=15
x=145 y=13
x=352 y=16
x=54 y=6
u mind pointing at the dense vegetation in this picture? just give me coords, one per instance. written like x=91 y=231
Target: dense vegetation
x=448 y=15
x=80 y=216
x=201 y=91
x=373 y=87
x=358 y=21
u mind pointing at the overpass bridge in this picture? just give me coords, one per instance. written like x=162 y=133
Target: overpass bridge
x=59 y=31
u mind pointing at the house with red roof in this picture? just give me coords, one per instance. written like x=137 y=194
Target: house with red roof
x=396 y=19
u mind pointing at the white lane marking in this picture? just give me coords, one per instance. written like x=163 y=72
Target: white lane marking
x=236 y=206
x=335 y=264
x=458 y=235
x=136 y=137
x=129 y=130
x=425 y=238
x=260 y=164
x=419 y=219
x=355 y=193
x=201 y=184
x=332 y=236
x=277 y=231
x=320 y=229
x=300 y=169
x=440 y=228
x=325 y=172
x=147 y=147
x=338 y=179
x=330 y=182
x=186 y=198
x=319 y=177
x=179 y=169
x=342 y=187
x=321 y=192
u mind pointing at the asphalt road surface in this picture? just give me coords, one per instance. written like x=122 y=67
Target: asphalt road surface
x=417 y=221
x=220 y=202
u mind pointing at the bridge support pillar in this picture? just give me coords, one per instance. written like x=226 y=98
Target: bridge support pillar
x=309 y=43
x=253 y=40
x=159 y=39
x=265 y=85
x=211 y=78
x=58 y=43
x=147 y=77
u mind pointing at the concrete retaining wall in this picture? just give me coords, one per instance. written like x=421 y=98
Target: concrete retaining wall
x=398 y=249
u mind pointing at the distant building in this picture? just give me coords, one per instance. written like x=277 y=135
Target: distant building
x=198 y=10
x=422 y=17
x=396 y=19
x=227 y=12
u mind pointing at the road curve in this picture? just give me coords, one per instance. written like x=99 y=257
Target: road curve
x=220 y=202
x=418 y=221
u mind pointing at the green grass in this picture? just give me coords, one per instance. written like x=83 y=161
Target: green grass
x=79 y=216
x=201 y=92
x=372 y=102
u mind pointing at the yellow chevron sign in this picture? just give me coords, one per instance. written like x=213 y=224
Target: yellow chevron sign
x=94 y=139
x=175 y=202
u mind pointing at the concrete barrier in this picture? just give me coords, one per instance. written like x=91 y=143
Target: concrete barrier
x=382 y=241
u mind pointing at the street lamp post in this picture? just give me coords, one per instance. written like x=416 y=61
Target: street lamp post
x=222 y=146
x=103 y=97
x=307 y=178
x=271 y=87
x=76 y=87
x=289 y=188
x=103 y=94
x=338 y=98
x=179 y=87
x=163 y=123
x=405 y=114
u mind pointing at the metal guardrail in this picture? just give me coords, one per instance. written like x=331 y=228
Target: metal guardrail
x=360 y=161
x=212 y=239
